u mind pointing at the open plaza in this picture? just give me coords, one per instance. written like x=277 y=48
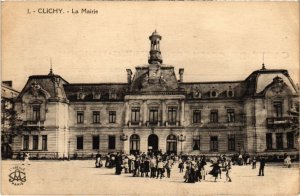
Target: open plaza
x=81 y=177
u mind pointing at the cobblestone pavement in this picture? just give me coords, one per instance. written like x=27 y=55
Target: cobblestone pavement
x=81 y=177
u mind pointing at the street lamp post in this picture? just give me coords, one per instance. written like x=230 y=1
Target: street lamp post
x=69 y=145
x=181 y=138
x=123 y=138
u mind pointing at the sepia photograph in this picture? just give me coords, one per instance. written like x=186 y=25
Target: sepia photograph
x=149 y=98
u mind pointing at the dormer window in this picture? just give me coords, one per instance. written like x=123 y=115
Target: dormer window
x=112 y=94
x=80 y=96
x=230 y=92
x=96 y=95
x=197 y=93
x=213 y=93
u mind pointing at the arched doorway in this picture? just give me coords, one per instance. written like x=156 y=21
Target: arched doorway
x=153 y=143
x=134 y=144
x=171 y=144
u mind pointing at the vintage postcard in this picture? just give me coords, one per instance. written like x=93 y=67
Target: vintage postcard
x=149 y=98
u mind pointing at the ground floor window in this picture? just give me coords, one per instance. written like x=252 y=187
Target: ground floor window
x=134 y=143
x=111 y=142
x=279 y=140
x=44 y=142
x=231 y=142
x=290 y=139
x=214 y=143
x=35 y=142
x=269 y=141
x=79 y=142
x=171 y=144
x=196 y=143
x=25 y=142
x=96 y=142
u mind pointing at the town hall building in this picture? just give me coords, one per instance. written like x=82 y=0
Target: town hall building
x=156 y=111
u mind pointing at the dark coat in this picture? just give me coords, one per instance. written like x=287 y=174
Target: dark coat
x=147 y=166
x=262 y=162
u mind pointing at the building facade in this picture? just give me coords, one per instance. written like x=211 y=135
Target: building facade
x=156 y=111
x=8 y=115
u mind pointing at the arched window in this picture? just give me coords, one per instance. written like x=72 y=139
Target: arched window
x=171 y=144
x=134 y=143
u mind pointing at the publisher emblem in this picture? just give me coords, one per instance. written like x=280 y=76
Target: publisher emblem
x=17 y=176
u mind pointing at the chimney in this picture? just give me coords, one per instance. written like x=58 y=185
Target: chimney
x=129 y=74
x=7 y=83
x=181 y=71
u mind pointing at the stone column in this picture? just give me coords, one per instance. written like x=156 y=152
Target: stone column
x=284 y=138
x=163 y=113
x=182 y=113
x=127 y=112
x=126 y=147
x=30 y=142
x=40 y=142
x=145 y=112
x=274 y=141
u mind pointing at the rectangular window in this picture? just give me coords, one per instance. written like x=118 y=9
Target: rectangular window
x=153 y=116
x=44 y=142
x=80 y=117
x=231 y=142
x=35 y=142
x=214 y=143
x=196 y=143
x=135 y=116
x=96 y=117
x=112 y=116
x=96 y=142
x=230 y=115
x=172 y=116
x=25 y=142
x=111 y=142
x=214 y=116
x=196 y=116
x=36 y=112
x=279 y=141
x=79 y=142
x=278 y=108
x=269 y=141
x=290 y=139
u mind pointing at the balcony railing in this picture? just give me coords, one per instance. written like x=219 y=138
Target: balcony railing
x=155 y=123
x=281 y=122
x=34 y=124
x=134 y=123
x=172 y=123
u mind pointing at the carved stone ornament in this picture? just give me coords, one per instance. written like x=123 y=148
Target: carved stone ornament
x=278 y=85
x=35 y=87
x=196 y=93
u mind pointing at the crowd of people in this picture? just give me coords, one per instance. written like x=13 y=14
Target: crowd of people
x=194 y=168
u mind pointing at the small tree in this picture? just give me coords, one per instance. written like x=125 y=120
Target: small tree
x=12 y=126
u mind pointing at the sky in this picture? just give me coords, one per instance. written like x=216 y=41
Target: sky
x=212 y=41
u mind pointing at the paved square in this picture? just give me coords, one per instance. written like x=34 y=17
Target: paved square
x=81 y=177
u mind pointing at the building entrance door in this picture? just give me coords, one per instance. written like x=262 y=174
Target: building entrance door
x=153 y=143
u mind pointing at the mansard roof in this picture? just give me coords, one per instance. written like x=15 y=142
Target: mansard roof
x=257 y=81
x=95 y=92
x=154 y=77
x=220 y=87
x=52 y=84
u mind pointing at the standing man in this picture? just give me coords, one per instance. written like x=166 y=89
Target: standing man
x=254 y=163
x=261 y=166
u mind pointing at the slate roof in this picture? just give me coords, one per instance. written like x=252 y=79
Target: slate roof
x=87 y=89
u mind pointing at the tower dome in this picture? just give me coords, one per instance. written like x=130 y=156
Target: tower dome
x=155 y=54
